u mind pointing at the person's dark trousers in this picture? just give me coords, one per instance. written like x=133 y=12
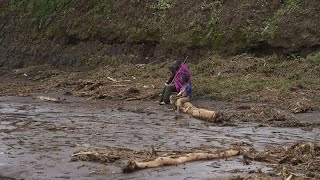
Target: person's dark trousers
x=169 y=90
x=162 y=94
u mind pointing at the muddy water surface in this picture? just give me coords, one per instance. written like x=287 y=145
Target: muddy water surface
x=37 y=139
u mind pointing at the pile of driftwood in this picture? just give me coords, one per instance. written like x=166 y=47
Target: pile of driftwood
x=299 y=160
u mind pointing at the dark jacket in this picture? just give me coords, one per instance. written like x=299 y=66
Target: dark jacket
x=173 y=69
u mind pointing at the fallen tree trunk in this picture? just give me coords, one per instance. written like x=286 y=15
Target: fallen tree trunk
x=199 y=113
x=167 y=161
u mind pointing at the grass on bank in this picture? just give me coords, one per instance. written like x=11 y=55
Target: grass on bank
x=218 y=78
x=240 y=77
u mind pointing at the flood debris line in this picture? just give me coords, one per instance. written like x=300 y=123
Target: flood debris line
x=107 y=154
x=262 y=113
x=94 y=156
x=266 y=114
x=147 y=159
x=110 y=89
x=175 y=160
x=302 y=106
x=136 y=110
x=301 y=160
x=61 y=128
x=144 y=97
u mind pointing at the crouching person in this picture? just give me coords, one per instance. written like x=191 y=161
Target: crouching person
x=184 y=95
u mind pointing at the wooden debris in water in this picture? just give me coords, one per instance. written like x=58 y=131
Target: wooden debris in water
x=94 y=156
x=51 y=99
x=169 y=160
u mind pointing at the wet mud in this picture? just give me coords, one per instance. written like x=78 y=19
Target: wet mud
x=38 y=139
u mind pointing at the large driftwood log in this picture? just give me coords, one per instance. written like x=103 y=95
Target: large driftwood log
x=199 y=113
x=167 y=161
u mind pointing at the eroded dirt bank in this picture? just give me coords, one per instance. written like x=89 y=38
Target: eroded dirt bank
x=38 y=139
x=76 y=32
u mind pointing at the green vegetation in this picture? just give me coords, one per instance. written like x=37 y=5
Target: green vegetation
x=52 y=32
x=40 y=10
x=212 y=5
x=272 y=26
x=162 y=4
x=225 y=79
x=201 y=24
x=104 y=60
x=219 y=79
x=102 y=9
x=143 y=34
x=117 y=66
x=314 y=57
x=204 y=32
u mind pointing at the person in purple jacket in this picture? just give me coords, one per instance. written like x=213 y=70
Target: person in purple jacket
x=184 y=95
x=174 y=83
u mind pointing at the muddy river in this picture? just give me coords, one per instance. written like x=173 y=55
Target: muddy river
x=37 y=139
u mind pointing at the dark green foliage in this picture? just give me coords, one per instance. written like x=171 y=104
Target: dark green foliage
x=40 y=10
x=230 y=27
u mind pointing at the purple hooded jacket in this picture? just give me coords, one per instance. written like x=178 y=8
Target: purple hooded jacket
x=183 y=71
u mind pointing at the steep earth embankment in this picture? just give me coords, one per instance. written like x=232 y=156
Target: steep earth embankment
x=77 y=32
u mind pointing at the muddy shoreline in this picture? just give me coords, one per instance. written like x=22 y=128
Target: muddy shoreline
x=38 y=138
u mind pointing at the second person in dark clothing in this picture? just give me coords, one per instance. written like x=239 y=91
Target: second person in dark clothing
x=174 y=84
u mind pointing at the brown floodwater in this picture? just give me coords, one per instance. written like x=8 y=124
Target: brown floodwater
x=37 y=139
